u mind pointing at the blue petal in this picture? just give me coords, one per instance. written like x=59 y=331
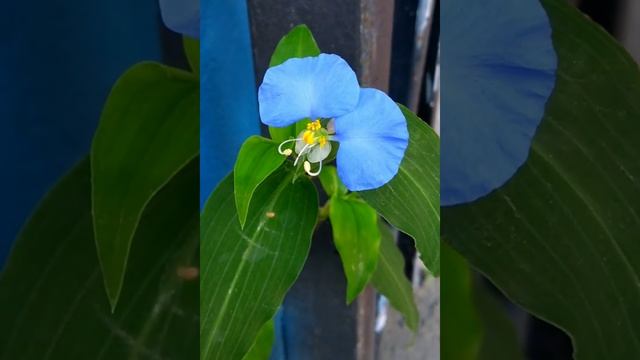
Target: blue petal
x=313 y=87
x=499 y=72
x=182 y=16
x=373 y=139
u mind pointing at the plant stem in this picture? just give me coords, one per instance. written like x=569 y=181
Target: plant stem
x=323 y=213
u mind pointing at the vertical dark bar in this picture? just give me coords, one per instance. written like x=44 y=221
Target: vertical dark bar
x=360 y=32
x=376 y=25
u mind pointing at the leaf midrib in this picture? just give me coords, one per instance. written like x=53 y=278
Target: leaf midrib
x=252 y=243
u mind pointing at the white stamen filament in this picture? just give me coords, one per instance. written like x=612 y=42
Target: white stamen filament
x=307 y=168
x=285 y=152
x=302 y=152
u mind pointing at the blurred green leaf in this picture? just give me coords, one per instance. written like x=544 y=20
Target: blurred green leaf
x=298 y=43
x=261 y=348
x=411 y=200
x=52 y=301
x=192 y=51
x=258 y=158
x=247 y=272
x=389 y=279
x=148 y=131
x=330 y=181
x=357 y=238
x=474 y=324
x=461 y=329
x=561 y=237
x=499 y=336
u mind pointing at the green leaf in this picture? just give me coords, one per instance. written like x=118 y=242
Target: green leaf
x=411 y=200
x=331 y=182
x=258 y=158
x=148 y=131
x=246 y=272
x=52 y=301
x=298 y=43
x=499 y=336
x=357 y=238
x=389 y=279
x=461 y=329
x=192 y=51
x=561 y=237
x=261 y=349
x=475 y=325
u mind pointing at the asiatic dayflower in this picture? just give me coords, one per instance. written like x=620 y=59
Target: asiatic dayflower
x=368 y=126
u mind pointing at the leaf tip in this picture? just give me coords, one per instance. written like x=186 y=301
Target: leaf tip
x=113 y=298
x=353 y=291
x=301 y=27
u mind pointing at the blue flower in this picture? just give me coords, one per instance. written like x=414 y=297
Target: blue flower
x=369 y=127
x=498 y=72
x=182 y=16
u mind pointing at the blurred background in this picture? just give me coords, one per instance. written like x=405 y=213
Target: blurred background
x=58 y=63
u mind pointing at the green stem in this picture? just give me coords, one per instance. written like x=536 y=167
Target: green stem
x=323 y=213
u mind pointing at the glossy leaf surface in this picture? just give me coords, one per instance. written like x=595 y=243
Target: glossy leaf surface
x=357 y=238
x=261 y=348
x=331 y=182
x=246 y=272
x=258 y=158
x=411 y=200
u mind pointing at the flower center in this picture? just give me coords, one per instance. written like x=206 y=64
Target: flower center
x=312 y=145
x=315 y=134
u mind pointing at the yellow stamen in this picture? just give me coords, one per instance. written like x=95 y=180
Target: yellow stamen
x=314 y=125
x=308 y=137
x=322 y=141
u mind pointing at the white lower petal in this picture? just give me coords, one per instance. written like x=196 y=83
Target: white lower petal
x=319 y=153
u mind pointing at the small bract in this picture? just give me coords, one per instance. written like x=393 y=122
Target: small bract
x=368 y=125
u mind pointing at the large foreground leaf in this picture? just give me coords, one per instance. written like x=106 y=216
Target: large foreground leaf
x=411 y=200
x=246 y=272
x=52 y=301
x=561 y=237
x=148 y=131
